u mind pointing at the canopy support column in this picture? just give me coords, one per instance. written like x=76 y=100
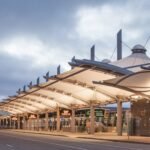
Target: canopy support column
x=73 y=120
x=0 y=123
x=119 y=118
x=14 y=124
x=18 y=121
x=10 y=123
x=29 y=122
x=46 y=121
x=38 y=116
x=92 y=119
x=58 y=119
x=24 y=122
x=4 y=123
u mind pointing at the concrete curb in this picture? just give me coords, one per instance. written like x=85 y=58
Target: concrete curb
x=41 y=133
x=83 y=137
x=112 y=140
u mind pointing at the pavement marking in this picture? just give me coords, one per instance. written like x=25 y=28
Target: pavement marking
x=115 y=146
x=68 y=146
x=121 y=147
x=10 y=147
x=49 y=143
x=78 y=148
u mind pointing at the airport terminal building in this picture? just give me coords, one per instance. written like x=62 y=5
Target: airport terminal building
x=76 y=100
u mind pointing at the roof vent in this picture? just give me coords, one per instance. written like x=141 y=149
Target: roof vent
x=106 y=61
x=138 y=49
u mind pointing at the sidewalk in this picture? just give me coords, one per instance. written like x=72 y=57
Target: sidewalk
x=97 y=136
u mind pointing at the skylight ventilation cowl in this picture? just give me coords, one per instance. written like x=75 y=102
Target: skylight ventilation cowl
x=139 y=49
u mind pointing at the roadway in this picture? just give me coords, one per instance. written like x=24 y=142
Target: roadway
x=24 y=141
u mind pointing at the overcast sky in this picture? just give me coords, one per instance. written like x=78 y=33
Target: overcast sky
x=38 y=35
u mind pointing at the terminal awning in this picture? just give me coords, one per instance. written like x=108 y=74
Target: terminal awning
x=74 y=88
x=138 y=83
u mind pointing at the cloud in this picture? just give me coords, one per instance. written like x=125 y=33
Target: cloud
x=100 y=23
x=26 y=57
x=37 y=52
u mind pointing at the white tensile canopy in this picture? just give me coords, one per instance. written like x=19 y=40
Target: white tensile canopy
x=74 y=88
x=138 y=83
